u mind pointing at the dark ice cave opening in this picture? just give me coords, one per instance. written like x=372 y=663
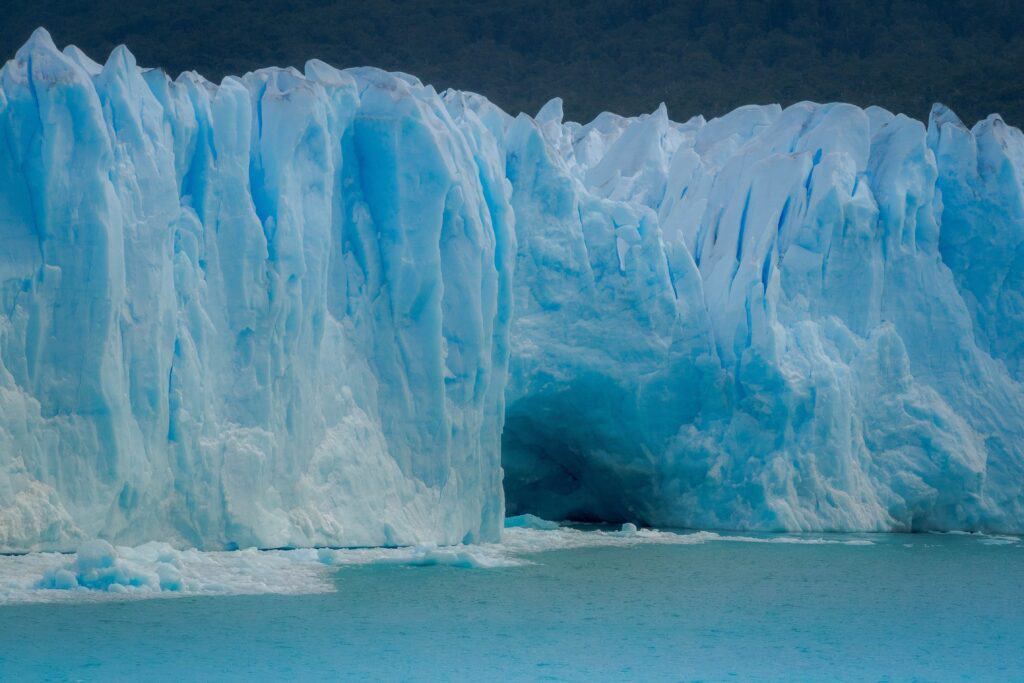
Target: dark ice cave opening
x=565 y=460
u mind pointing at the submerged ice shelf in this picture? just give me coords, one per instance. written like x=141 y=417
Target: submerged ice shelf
x=329 y=307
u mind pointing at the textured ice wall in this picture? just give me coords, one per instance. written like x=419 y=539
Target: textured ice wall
x=808 y=318
x=279 y=311
x=270 y=312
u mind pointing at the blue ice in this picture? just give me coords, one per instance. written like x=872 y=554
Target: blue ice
x=336 y=308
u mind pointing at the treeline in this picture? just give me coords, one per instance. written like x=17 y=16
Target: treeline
x=698 y=56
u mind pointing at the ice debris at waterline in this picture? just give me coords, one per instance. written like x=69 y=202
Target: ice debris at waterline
x=296 y=308
x=98 y=566
x=528 y=521
x=99 y=571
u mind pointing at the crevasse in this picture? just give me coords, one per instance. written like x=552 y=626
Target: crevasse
x=326 y=308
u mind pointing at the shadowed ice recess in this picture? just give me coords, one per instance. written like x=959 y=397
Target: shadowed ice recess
x=334 y=308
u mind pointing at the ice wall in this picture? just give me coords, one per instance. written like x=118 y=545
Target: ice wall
x=271 y=312
x=798 y=319
x=296 y=309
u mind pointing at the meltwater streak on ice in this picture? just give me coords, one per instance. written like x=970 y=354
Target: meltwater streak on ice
x=278 y=311
x=99 y=571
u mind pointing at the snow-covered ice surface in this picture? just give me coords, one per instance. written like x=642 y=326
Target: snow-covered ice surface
x=99 y=571
x=324 y=308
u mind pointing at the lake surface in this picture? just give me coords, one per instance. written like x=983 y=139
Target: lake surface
x=934 y=607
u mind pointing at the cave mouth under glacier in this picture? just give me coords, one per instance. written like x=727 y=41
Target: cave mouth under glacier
x=566 y=457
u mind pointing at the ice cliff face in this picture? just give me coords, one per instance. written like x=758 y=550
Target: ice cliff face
x=271 y=312
x=795 y=319
x=281 y=311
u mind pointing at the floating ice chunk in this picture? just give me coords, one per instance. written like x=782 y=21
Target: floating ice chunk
x=464 y=557
x=1000 y=540
x=483 y=556
x=986 y=539
x=99 y=566
x=628 y=529
x=529 y=521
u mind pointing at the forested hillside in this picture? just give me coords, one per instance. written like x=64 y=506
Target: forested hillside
x=699 y=56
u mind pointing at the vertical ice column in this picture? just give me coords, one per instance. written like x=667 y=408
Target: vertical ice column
x=268 y=312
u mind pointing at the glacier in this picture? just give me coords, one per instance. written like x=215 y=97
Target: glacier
x=339 y=308
x=780 y=319
x=267 y=313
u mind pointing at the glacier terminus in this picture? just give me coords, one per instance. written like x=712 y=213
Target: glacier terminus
x=339 y=308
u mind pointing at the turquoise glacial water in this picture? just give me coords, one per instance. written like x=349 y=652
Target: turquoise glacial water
x=927 y=607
